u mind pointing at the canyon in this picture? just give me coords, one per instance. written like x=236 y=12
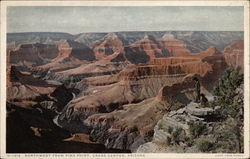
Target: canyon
x=108 y=92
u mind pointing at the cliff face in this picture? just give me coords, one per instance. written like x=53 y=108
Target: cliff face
x=162 y=141
x=132 y=124
x=95 y=69
x=201 y=64
x=145 y=50
x=35 y=53
x=234 y=54
x=26 y=90
x=111 y=44
x=130 y=85
x=22 y=87
x=175 y=47
x=71 y=54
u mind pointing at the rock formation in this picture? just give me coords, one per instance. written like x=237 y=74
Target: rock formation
x=234 y=54
x=111 y=44
x=178 y=119
x=133 y=124
x=175 y=47
x=27 y=91
x=144 y=50
x=120 y=90
x=35 y=53
x=71 y=53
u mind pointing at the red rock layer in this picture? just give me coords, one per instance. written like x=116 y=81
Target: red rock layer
x=149 y=48
x=175 y=47
x=108 y=47
x=167 y=66
x=142 y=117
x=36 y=53
x=172 y=60
x=71 y=54
x=234 y=54
x=149 y=45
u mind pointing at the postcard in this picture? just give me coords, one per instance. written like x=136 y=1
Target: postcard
x=124 y=79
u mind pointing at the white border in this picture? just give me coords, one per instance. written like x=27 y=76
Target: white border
x=4 y=5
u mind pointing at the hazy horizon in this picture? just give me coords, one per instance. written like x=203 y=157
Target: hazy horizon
x=122 y=31
x=96 y=19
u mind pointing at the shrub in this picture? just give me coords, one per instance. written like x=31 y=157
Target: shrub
x=229 y=136
x=168 y=141
x=189 y=141
x=204 y=145
x=170 y=129
x=225 y=90
x=196 y=128
x=229 y=95
x=176 y=135
x=160 y=125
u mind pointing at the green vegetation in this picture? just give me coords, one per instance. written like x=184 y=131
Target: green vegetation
x=204 y=145
x=189 y=141
x=170 y=129
x=176 y=136
x=230 y=96
x=196 y=128
x=168 y=141
x=226 y=93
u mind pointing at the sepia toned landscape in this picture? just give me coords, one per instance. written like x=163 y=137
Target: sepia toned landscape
x=125 y=92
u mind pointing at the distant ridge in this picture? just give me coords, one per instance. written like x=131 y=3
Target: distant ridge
x=195 y=40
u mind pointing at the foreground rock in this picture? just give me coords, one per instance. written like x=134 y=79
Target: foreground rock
x=181 y=119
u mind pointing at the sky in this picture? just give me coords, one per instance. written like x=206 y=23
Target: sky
x=74 y=20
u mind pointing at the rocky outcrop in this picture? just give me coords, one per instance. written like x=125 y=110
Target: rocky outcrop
x=209 y=64
x=218 y=66
x=126 y=128
x=234 y=54
x=172 y=60
x=102 y=80
x=178 y=119
x=71 y=54
x=95 y=69
x=145 y=50
x=201 y=64
x=175 y=47
x=25 y=87
x=109 y=97
x=33 y=52
x=110 y=45
x=27 y=91
x=70 y=48
x=89 y=38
